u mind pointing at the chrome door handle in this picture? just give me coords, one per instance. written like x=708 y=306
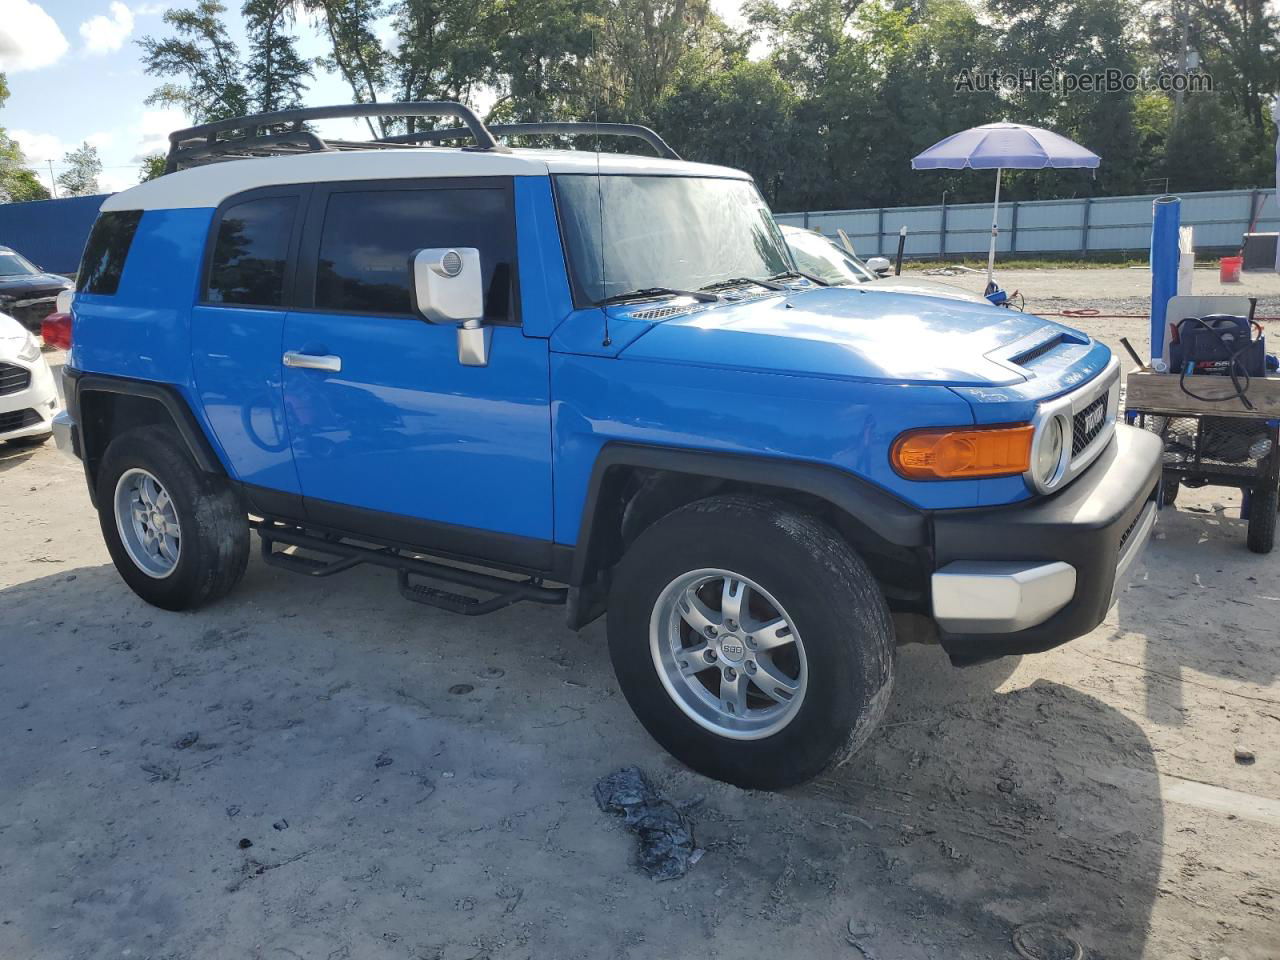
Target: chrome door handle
x=313 y=361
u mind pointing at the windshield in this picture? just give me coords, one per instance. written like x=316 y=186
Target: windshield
x=680 y=233
x=817 y=255
x=16 y=265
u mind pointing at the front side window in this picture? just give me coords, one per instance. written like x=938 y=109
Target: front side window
x=250 y=252
x=369 y=237
x=678 y=232
x=106 y=250
x=16 y=265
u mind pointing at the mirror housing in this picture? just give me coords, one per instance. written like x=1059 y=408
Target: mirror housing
x=448 y=287
x=447 y=284
x=880 y=266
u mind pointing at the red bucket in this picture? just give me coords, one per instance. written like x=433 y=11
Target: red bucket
x=1229 y=269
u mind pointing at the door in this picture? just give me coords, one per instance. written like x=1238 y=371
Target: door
x=236 y=329
x=391 y=434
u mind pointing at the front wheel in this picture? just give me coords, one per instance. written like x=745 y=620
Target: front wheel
x=751 y=641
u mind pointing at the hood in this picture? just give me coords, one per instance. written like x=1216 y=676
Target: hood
x=924 y=288
x=14 y=286
x=11 y=329
x=850 y=333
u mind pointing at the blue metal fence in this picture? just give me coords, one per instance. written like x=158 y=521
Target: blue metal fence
x=1035 y=227
x=50 y=233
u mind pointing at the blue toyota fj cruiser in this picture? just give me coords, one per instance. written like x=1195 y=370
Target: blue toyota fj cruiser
x=600 y=378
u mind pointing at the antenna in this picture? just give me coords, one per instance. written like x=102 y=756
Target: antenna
x=595 y=119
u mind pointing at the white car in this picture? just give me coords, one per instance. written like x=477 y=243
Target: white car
x=28 y=395
x=821 y=258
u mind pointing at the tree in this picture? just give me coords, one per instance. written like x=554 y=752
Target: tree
x=356 y=52
x=153 y=165
x=273 y=72
x=205 y=57
x=80 y=179
x=17 y=182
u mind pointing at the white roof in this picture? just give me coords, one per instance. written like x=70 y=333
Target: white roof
x=209 y=185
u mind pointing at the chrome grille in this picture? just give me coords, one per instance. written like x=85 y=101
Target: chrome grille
x=13 y=378
x=1087 y=424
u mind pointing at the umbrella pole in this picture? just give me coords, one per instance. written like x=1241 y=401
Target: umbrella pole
x=995 y=231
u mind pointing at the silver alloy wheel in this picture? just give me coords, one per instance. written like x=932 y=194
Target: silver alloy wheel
x=728 y=654
x=148 y=523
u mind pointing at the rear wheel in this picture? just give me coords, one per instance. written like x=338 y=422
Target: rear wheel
x=179 y=537
x=751 y=641
x=1169 y=493
x=1262 y=519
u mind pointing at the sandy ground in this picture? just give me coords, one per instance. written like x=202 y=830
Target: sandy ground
x=318 y=769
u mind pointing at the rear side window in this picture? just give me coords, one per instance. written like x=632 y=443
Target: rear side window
x=105 y=253
x=250 y=252
x=368 y=238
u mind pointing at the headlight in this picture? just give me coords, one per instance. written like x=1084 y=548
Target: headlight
x=30 y=351
x=1049 y=449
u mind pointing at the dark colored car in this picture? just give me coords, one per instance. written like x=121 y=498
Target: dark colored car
x=27 y=293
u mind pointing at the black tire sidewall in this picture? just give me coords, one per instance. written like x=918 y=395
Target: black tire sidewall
x=844 y=627
x=161 y=454
x=1262 y=520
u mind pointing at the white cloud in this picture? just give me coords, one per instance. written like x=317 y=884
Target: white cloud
x=152 y=131
x=29 y=38
x=105 y=34
x=40 y=148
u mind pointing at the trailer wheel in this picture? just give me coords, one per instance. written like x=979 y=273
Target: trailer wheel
x=1171 y=487
x=1263 y=505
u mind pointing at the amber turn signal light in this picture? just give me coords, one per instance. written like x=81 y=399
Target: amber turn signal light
x=956 y=453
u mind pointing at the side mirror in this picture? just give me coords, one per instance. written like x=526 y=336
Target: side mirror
x=448 y=287
x=880 y=266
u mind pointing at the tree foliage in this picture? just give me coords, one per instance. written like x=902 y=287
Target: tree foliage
x=80 y=178
x=823 y=101
x=210 y=79
x=17 y=182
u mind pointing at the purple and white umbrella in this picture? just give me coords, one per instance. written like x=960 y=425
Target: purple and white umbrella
x=995 y=146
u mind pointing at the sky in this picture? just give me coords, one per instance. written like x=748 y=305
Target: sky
x=75 y=76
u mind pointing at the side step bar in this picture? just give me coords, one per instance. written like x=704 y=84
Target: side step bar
x=347 y=555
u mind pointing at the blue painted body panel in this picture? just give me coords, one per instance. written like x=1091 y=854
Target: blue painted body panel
x=144 y=331
x=235 y=359
x=406 y=429
x=846 y=424
x=826 y=376
x=847 y=333
x=544 y=285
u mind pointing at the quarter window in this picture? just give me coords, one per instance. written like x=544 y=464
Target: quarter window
x=106 y=250
x=368 y=239
x=250 y=252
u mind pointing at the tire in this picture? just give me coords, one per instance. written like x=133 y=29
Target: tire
x=1262 y=519
x=212 y=530
x=30 y=441
x=842 y=645
x=1169 y=496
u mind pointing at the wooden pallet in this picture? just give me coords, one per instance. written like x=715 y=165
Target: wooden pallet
x=1161 y=393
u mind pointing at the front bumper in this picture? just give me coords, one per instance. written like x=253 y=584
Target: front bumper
x=1027 y=577
x=29 y=412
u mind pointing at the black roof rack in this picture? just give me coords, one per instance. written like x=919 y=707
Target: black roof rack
x=565 y=129
x=282 y=132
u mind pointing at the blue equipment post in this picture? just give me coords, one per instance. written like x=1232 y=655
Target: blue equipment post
x=1166 y=218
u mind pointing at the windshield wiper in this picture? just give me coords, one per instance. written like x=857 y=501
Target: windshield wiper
x=742 y=282
x=653 y=293
x=786 y=274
